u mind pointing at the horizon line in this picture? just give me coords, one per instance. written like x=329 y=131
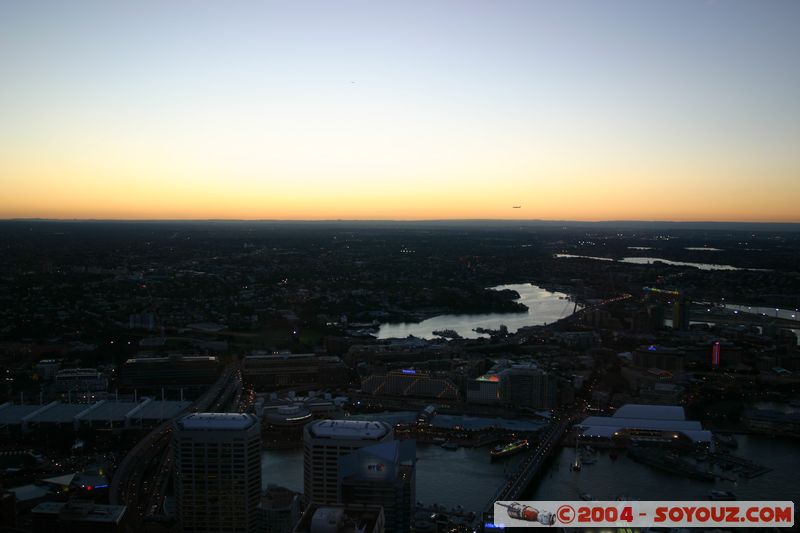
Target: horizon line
x=409 y=220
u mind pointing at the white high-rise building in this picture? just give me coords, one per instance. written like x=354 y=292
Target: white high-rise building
x=324 y=442
x=218 y=472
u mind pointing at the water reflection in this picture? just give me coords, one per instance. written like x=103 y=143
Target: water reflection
x=544 y=307
x=651 y=260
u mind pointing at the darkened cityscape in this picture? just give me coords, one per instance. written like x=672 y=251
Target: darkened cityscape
x=571 y=361
x=452 y=266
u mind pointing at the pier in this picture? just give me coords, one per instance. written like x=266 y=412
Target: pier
x=744 y=468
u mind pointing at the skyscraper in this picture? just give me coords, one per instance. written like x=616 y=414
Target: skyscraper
x=324 y=442
x=218 y=472
x=382 y=475
x=528 y=386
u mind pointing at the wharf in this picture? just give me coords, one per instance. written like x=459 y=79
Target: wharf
x=742 y=467
x=674 y=464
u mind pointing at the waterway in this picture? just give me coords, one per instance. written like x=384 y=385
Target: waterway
x=467 y=477
x=544 y=307
x=651 y=260
x=608 y=479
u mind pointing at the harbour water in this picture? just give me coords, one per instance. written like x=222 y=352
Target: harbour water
x=465 y=477
x=544 y=307
x=651 y=260
x=608 y=479
x=468 y=478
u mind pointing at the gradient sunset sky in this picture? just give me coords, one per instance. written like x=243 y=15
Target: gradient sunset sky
x=590 y=110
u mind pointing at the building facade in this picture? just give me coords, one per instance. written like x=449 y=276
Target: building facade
x=324 y=443
x=528 y=386
x=382 y=475
x=218 y=472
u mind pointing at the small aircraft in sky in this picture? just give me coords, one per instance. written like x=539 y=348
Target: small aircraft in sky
x=516 y=207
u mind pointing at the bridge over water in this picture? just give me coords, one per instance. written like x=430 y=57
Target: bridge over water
x=521 y=478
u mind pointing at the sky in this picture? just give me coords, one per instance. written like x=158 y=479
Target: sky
x=578 y=110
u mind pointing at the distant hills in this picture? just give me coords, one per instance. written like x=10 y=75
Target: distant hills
x=464 y=223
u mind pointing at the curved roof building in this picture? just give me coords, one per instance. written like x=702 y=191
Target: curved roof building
x=646 y=423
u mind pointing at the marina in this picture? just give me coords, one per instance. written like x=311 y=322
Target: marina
x=616 y=474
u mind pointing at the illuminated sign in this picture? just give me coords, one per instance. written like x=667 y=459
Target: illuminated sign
x=405 y=371
x=715 y=353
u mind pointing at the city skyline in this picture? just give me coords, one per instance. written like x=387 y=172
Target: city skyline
x=357 y=111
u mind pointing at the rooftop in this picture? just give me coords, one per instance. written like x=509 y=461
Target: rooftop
x=341 y=519
x=349 y=429
x=82 y=511
x=651 y=412
x=167 y=359
x=665 y=418
x=218 y=421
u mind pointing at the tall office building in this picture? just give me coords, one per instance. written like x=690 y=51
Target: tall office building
x=382 y=475
x=324 y=443
x=218 y=472
x=528 y=386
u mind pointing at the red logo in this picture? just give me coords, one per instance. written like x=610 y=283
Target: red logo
x=565 y=514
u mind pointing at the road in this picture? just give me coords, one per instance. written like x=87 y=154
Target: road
x=142 y=478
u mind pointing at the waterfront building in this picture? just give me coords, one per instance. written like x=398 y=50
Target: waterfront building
x=645 y=424
x=485 y=389
x=324 y=443
x=382 y=475
x=283 y=425
x=218 y=472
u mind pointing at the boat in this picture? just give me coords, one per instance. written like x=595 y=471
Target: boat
x=588 y=456
x=449 y=445
x=576 y=464
x=721 y=495
x=504 y=450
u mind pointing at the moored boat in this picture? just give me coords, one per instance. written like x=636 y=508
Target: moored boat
x=504 y=450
